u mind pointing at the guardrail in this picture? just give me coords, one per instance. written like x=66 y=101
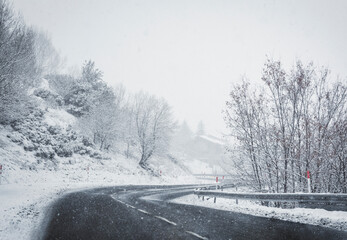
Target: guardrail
x=215 y=187
x=279 y=197
x=309 y=199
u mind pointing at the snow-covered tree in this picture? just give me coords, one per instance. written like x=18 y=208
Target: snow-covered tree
x=154 y=126
x=91 y=74
x=25 y=56
x=47 y=57
x=86 y=91
x=18 y=67
x=104 y=122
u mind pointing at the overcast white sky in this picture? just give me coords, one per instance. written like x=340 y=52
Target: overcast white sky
x=191 y=51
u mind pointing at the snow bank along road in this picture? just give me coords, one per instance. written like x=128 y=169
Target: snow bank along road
x=143 y=212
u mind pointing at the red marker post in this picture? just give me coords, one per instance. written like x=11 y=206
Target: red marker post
x=308 y=182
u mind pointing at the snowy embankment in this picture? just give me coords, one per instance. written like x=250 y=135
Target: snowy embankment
x=320 y=217
x=30 y=184
x=22 y=205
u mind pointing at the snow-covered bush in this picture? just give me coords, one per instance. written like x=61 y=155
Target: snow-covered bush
x=29 y=146
x=47 y=141
x=96 y=154
x=52 y=98
x=77 y=101
x=46 y=152
x=86 y=142
x=64 y=150
x=16 y=137
x=54 y=130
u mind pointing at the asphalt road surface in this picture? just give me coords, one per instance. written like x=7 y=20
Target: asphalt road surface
x=143 y=212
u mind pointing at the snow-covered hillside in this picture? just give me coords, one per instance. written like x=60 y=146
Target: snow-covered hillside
x=199 y=153
x=43 y=156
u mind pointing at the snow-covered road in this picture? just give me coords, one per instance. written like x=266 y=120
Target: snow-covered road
x=143 y=212
x=22 y=205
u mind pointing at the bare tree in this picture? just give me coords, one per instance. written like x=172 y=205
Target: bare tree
x=47 y=57
x=154 y=126
x=18 y=67
x=25 y=55
x=296 y=124
x=240 y=117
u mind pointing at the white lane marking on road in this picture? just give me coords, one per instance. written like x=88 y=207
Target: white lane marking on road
x=143 y=211
x=166 y=220
x=117 y=199
x=196 y=235
x=130 y=206
x=161 y=218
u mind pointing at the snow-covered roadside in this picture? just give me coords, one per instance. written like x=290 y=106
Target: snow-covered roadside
x=29 y=184
x=320 y=217
x=22 y=206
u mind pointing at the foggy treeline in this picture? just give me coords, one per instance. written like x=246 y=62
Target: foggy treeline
x=139 y=124
x=111 y=118
x=296 y=122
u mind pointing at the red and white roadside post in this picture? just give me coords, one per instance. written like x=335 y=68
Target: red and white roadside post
x=0 y=173
x=308 y=182
x=214 y=200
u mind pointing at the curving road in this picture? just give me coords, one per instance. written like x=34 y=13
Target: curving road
x=143 y=212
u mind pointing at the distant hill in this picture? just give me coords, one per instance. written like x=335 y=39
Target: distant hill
x=200 y=153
